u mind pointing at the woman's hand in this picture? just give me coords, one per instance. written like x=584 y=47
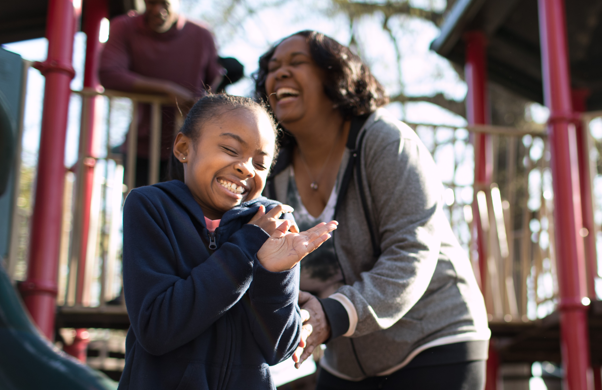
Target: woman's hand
x=271 y=221
x=315 y=330
x=283 y=250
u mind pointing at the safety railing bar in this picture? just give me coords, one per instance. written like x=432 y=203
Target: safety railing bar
x=75 y=291
x=525 y=242
x=551 y=234
x=15 y=223
x=134 y=97
x=132 y=148
x=62 y=280
x=494 y=259
x=116 y=201
x=588 y=116
x=596 y=228
x=94 y=228
x=505 y=258
x=511 y=153
x=155 y=144
x=105 y=196
x=506 y=131
x=486 y=129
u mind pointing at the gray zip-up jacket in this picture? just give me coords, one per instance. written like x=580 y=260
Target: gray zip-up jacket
x=421 y=291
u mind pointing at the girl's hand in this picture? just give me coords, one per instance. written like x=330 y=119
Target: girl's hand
x=283 y=250
x=271 y=221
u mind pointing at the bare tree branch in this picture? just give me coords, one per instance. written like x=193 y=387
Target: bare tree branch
x=439 y=99
x=398 y=56
x=388 y=9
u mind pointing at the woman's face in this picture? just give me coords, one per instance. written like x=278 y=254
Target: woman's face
x=294 y=83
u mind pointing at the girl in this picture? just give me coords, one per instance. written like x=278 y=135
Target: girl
x=209 y=276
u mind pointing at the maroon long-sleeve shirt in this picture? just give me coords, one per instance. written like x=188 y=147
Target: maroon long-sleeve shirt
x=185 y=55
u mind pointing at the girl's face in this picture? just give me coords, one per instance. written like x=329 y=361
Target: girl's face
x=294 y=83
x=230 y=162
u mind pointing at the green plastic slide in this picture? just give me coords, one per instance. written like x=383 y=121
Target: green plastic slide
x=29 y=361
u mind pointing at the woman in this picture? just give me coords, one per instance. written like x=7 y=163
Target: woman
x=393 y=295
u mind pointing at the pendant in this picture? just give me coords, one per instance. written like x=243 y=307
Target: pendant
x=314 y=186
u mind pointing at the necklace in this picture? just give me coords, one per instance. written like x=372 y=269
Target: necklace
x=314 y=183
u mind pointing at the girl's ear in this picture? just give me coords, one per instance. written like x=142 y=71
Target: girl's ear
x=181 y=147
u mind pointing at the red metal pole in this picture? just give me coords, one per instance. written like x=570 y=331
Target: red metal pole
x=597 y=378
x=79 y=346
x=96 y=10
x=567 y=200
x=492 y=378
x=40 y=288
x=477 y=114
x=587 y=205
x=579 y=97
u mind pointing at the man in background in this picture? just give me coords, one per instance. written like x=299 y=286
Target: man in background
x=159 y=52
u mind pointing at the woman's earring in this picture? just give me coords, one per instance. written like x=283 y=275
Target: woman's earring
x=183 y=158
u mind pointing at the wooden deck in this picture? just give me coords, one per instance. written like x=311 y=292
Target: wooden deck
x=109 y=317
x=540 y=340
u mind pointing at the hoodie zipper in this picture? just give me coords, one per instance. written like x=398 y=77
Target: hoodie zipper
x=353 y=160
x=212 y=240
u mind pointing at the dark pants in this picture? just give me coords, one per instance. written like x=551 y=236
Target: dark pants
x=453 y=376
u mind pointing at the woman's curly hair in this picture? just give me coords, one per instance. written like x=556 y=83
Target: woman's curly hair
x=348 y=82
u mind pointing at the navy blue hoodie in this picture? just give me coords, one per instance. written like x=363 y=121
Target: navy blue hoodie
x=201 y=319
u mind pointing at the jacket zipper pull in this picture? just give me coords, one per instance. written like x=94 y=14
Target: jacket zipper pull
x=212 y=241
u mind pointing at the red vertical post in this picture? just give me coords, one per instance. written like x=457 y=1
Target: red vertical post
x=567 y=199
x=477 y=114
x=40 y=288
x=597 y=378
x=79 y=346
x=96 y=10
x=579 y=97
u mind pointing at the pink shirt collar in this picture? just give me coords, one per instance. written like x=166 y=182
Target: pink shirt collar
x=212 y=224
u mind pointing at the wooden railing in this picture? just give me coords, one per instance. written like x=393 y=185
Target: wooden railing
x=516 y=211
x=100 y=281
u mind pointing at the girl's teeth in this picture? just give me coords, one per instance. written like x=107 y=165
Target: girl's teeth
x=232 y=187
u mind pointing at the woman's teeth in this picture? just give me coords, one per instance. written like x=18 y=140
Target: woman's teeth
x=231 y=187
x=286 y=92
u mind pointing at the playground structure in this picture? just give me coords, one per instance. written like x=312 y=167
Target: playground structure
x=504 y=40
x=536 y=265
